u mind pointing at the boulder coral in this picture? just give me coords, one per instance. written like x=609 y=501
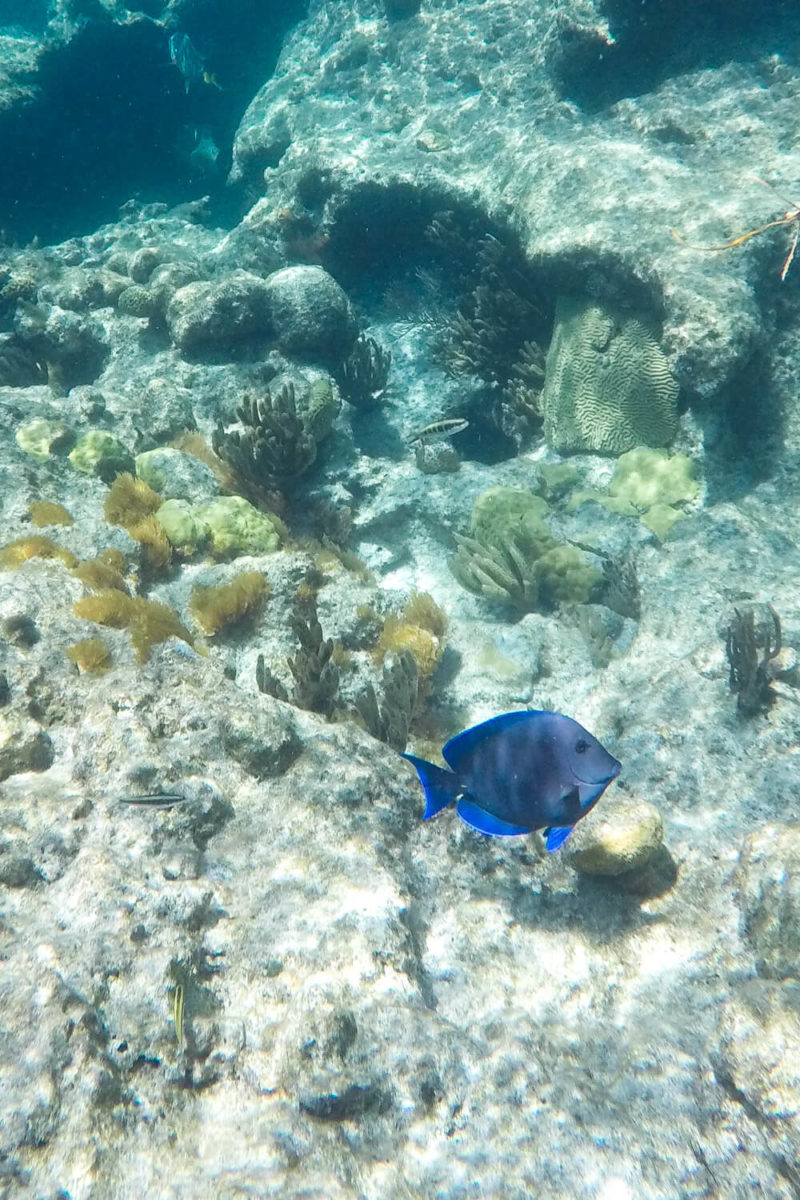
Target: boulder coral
x=608 y=385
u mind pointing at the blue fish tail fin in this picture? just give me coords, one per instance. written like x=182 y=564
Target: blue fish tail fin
x=557 y=836
x=441 y=787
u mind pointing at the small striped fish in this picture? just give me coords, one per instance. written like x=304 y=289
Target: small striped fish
x=165 y=800
x=446 y=428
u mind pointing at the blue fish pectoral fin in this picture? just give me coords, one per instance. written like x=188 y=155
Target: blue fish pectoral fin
x=484 y=822
x=556 y=836
x=441 y=787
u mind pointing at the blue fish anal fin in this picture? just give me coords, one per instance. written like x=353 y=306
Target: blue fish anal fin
x=441 y=787
x=484 y=822
x=464 y=743
x=557 y=836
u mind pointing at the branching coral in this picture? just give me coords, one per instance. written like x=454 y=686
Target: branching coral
x=274 y=447
x=316 y=676
x=512 y=558
x=752 y=648
x=388 y=718
x=363 y=375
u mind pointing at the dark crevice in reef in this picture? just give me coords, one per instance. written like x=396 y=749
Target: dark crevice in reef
x=109 y=116
x=653 y=40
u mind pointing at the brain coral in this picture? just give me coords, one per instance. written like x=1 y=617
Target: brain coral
x=608 y=386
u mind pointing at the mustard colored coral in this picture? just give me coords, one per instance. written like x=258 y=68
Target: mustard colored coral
x=38 y=546
x=148 y=621
x=214 y=608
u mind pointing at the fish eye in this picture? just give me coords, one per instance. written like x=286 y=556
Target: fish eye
x=581 y=746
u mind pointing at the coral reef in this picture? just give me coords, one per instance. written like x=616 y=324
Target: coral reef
x=608 y=386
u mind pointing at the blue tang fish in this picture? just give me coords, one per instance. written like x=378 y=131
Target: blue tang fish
x=519 y=772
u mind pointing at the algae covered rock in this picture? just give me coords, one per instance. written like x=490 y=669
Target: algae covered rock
x=625 y=839
x=215 y=315
x=310 y=314
x=175 y=475
x=608 y=386
x=769 y=899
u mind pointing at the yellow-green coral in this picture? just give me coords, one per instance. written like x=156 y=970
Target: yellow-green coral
x=179 y=520
x=649 y=484
x=98 y=575
x=41 y=437
x=37 y=546
x=47 y=512
x=422 y=610
x=92 y=656
x=129 y=501
x=646 y=477
x=95 y=447
x=148 y=621
x=236 y=527
x=213 y=608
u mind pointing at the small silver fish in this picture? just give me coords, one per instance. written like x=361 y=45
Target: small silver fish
x=162 y=800
x=446 y=428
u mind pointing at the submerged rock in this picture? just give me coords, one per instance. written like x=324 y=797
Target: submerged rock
x=624 y=836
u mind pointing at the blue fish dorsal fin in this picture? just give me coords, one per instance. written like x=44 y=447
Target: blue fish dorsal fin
x=484 y=822
x=441 y=787
x=557 y=836
x=463 y=744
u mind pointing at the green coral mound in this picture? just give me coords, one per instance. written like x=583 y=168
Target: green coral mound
x=648 y=484
x=236 y=527
x=227 y=527
x=100 y=453
x=647 y=477
x=608 y=386
x=41 y=437
x=511 y=557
